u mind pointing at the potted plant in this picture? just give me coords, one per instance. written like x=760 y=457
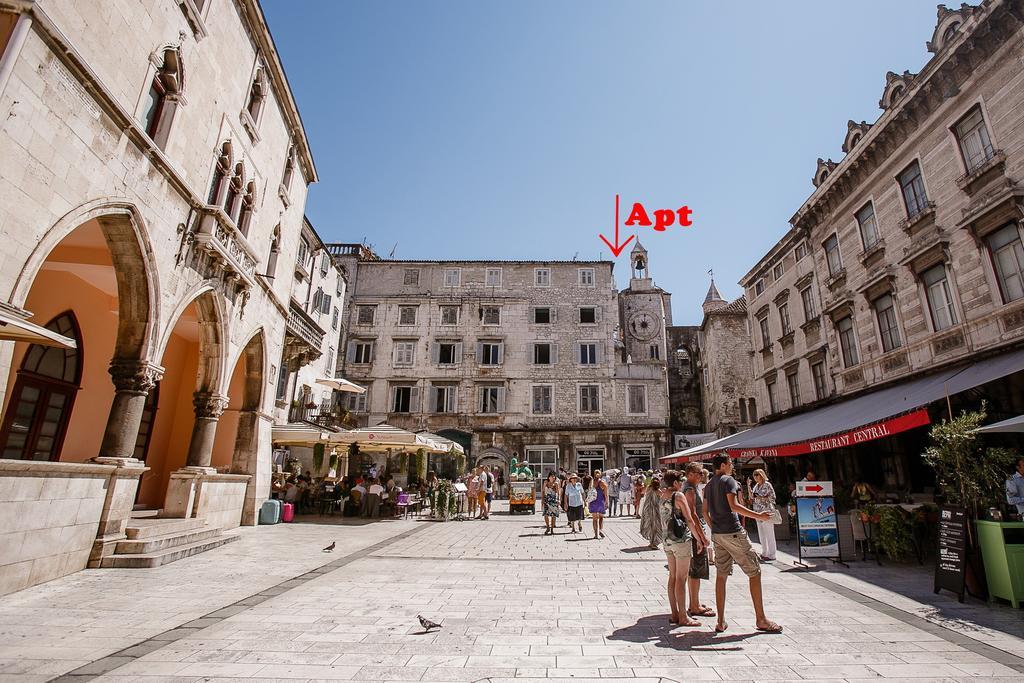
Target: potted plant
x=968 y=476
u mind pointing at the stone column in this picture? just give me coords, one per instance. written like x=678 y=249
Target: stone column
x=208 y=406
x=133 y=380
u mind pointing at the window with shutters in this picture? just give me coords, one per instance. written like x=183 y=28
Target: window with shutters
x=655 y=350
x=743 y=411
x=939 y=297
x=334 y=318
x=325 y=303
x=820 y=385
x=810 y=306
x=1007 y=253
x=411 y=277
x=759 y=287
x=282 y=382
x=778 y=270
x=542 y=353
x=752 y=409
x=448 y=352
x=407 y=315
x=257 y=96
x=766 y=335
x=492 y=277
x=636 y=399
x=586 y=277
x=590 y=399
x=404 y=353
x=303 y=253
x=801 y=251
x=912 y=187
x=588 y=353
x=357 y=402
x=452 y=277
x=832 y=255
x=491 y=400
x=542 y=316
x=365 y=315
x=490 y=315
x=318 y=296
x=773 y=399
x=490 y=352
x=588 y=315
x=542 y=277
x=868 y=226
x=325 y=263
x=449 y=315
x=847 y=342
x=404 y=399
x=361 y=352
x=329 y=361
x=888 y=330
x=975 y=144
x=444 y=398
x=541 y=399
x=787 y=327
x=793 y=381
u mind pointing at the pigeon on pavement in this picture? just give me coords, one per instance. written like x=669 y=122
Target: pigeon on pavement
x=330 y=548
x=427 y=624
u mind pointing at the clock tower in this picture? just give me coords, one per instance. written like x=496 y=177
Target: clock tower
x=645 y=310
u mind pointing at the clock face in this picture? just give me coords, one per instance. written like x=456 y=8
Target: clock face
x=644 y=325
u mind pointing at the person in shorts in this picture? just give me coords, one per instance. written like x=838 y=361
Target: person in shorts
x=722 y=509
x=674 y=507
x=694 y=476
x=487 y=492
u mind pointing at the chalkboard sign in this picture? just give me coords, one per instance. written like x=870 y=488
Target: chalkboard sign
x=950 y=566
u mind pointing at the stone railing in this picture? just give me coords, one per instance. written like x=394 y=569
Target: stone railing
x=225 y=243
x=302 y=326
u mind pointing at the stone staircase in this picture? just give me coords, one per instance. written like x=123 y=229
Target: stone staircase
x=153 y=541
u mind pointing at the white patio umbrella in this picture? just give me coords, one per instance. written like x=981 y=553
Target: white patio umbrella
x=340 y=384
x=13 y=328
x=1014 y=424
x=385 y=437
x=297 y=434
x=442 y=442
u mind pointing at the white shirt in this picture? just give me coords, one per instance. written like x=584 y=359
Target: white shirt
x=376 y=488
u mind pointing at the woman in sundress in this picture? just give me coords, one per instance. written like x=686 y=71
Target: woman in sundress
x=549 y=494
x=599 y=505
x=651 y=527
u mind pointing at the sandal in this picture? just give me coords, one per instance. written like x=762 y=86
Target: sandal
x=722 y=628
x=772 y=627
x=704 y=611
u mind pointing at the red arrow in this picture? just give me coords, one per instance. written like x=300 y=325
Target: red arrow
x=617 y=248
x=814 y=488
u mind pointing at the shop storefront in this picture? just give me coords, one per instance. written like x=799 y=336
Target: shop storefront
x=638 y=456
x=589 y=458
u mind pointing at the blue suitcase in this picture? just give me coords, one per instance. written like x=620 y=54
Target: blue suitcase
x=270 y=512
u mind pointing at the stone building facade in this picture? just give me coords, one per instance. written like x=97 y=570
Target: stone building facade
x=726 y=375
x=540 y=360
x=908 y=255
x=151 y=193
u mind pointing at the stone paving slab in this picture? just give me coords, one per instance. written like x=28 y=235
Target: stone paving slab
x=514 y=605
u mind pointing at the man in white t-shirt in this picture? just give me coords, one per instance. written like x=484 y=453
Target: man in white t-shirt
x=373 y=498
x=487 y=487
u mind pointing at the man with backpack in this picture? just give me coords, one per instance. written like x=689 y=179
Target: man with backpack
x=487 y=488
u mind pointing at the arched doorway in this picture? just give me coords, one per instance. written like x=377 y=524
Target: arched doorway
x=236 y=443
x=43 y=397
x=95 y=266
x=191 y=357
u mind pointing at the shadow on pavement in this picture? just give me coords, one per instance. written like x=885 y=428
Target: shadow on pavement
x=655 y=630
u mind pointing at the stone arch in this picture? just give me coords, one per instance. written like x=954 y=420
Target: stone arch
x=212 y=335
x=947 y=24
x=855 y=132
x=824 y=169
x=494 y=455
x=254 y=357
x=127 y=238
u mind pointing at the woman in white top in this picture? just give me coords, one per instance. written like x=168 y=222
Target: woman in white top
x=762 y=495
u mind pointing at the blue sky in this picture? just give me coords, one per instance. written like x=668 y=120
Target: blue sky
x=482 y=129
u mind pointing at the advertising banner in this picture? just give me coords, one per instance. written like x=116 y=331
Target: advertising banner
x=818 y=527
x=521 y=496
x=949 y=569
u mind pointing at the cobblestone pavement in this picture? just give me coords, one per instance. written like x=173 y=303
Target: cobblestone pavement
x=514 y=604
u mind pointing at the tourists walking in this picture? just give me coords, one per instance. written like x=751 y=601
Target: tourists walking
x=651 y=527
x=549 y=497
x=574 y=503
x=681 y=528
x=599 y=506
x=625 y=486
x=693 y=482
x=589 y=494
x=638 y=491
x=762 y=495
x=732 y=546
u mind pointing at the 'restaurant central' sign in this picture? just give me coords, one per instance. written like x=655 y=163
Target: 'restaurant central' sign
x=918 y=418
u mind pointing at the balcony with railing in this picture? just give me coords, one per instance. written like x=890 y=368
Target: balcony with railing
x=227 y=246
x=327 y=415
x=301 y=326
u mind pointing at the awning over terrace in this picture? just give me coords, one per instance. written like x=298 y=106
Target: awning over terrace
x=868 y=417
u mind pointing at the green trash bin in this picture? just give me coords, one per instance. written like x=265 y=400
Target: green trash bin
x=1002 y=549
